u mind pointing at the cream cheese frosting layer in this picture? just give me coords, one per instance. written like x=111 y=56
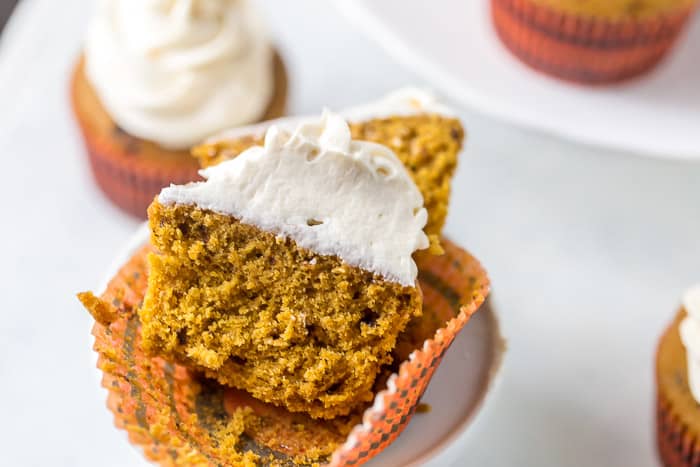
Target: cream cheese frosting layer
x=176 y=71
x=403 y=102
x=690 y=335
x=327 y=192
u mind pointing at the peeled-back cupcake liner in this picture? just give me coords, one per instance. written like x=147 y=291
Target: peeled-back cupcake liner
x=677 y=412
x=131 y=179
x=176 y=416
x=584 y=49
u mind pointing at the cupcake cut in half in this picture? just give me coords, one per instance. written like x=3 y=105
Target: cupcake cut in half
x=306 y=313
x=289 y=272
x=424 y=134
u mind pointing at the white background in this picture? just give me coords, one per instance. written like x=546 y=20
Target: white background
x=589 y=252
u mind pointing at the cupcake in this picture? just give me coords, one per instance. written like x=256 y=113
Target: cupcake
x=678 y=391
x=281 y=313
x=591 y=41
x=158 y=76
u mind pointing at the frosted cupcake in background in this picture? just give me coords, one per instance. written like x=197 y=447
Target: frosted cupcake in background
x=157 y=77
x=591 y=41
x=678 y=391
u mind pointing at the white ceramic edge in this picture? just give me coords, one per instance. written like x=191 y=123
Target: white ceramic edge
x=446 y=450
x=422 y=66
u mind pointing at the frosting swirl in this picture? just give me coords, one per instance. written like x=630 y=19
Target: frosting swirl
x=690 y=335
x=176 y=71
x=329 y=193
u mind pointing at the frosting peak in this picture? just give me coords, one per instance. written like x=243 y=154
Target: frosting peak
x=175 y=71
x=690 y=335
x=329 y=193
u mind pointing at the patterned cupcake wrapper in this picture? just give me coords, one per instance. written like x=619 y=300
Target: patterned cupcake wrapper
x=128 y=181
x=173 y=414
x=678 y=445
x=678 y=441
x=583 y=49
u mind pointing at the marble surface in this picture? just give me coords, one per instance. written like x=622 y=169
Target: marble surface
x=588 y=250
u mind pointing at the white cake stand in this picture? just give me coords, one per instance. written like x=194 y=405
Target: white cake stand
x=452 y=44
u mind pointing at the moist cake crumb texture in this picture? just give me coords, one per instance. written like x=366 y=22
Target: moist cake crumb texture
x=256 y=312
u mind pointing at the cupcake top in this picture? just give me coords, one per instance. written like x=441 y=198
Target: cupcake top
x=690 y=335
x=403 y=102
x=329 y=193
x=617 y=9
x=176 y=71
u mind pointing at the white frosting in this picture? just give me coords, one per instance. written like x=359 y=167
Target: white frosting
x=690 y=335
x=176 y=71
x=400 y=103
x=328 y=193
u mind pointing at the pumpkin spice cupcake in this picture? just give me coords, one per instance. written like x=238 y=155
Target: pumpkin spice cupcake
x=288 y=273
x=280 y=314
x=591 y=41
x=158 y=76
x=678 y=386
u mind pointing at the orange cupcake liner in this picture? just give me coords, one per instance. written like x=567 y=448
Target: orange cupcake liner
x=171 y=413
x=585 y=49
x=677 y=445
x=677 y=433
x=129 y=182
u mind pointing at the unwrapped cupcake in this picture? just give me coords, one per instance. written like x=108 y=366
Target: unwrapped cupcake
x=158 y=76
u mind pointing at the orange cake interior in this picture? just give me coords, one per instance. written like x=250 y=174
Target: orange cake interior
x=257 y=312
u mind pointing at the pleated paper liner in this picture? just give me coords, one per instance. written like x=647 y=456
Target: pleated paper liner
x=132 y=171
x=181 y=418
x=677 y=412
x=585 y=49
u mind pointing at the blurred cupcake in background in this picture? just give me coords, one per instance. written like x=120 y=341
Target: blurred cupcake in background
x=678 y=386
x=591 y=41
x=157 y=77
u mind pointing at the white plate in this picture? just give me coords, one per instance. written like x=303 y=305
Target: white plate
x=456 y=393
x=453 y=45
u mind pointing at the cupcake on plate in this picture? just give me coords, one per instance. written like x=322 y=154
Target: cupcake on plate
x=158 y=76
x=678 y=391
x=591 y=41
x=282 y=313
